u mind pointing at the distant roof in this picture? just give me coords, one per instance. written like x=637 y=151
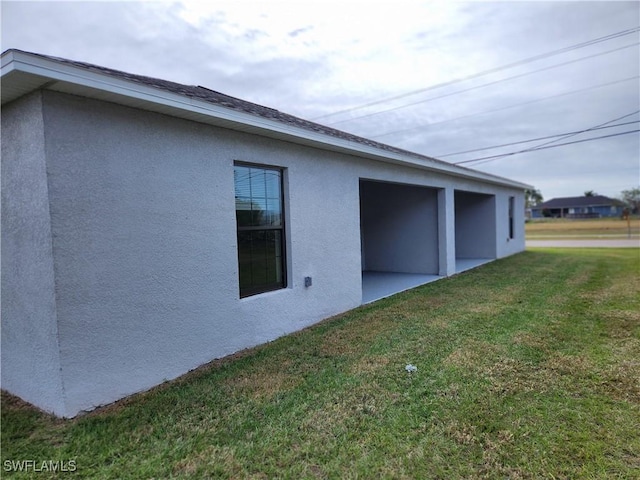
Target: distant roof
x=23 y=72
x=584 y=201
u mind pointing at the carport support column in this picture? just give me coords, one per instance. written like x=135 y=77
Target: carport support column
x=446 y=232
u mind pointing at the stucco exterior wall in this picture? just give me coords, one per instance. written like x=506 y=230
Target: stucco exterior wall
x=30 y=355
x=142 y=216
x=399 y=228
x=505 y=245
x=475 y=217
x=143 y=219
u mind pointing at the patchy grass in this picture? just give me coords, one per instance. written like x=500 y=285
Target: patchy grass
x=527 y=368
x=557 y=228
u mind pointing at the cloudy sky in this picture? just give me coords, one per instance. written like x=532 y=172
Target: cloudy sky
x=434 y=77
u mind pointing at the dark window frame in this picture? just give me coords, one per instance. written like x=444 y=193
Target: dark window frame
x=512 y=208
x=250 y=233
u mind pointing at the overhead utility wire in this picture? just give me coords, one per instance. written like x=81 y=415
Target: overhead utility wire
x=569 y=135
x=546 y=145
x=484 y=84
x=493 y=157
x=571 y=92
x=543 y=145
x=532 y=140
x=486 y=72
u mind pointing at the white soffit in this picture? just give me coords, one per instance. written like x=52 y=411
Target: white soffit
x=23 y=72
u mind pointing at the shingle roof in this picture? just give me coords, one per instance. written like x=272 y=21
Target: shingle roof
x=573 y=202
x=214 y=97
x=24 y=72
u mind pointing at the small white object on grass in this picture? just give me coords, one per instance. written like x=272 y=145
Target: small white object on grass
x=411 y=368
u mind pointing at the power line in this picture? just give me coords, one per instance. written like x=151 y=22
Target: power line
x=533 y=140
x=566 y=135
x=569 y=135
x=485 y=84
x=493 y=157
x=572 y=92
x=538 y=147
x=543 y=145
x=486 y=72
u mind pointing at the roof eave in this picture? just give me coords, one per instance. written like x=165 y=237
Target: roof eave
x=43 y=72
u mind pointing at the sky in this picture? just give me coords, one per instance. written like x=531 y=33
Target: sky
x=433 y=77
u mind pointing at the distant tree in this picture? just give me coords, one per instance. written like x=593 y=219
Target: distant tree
x=590 y=193
x=532 y=197
x=631 y=199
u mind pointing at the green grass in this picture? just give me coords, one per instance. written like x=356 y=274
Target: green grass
x=527 y=368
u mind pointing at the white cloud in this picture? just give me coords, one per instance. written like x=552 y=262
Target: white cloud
x=314 y=58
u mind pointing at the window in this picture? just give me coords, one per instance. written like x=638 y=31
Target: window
x=512 y=201
x=260 y=226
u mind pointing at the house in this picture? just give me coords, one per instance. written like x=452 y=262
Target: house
x=150 y=227
x=594 y=206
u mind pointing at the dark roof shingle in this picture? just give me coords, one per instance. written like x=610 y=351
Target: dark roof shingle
x=573 y=202
x=234 y=103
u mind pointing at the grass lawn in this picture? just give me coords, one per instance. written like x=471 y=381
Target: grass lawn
x=527 y=367
x=557 y=228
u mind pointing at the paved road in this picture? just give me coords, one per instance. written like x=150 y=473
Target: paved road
x=607 y=243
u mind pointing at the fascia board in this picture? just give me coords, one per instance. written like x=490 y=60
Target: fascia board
x=6 y=63
x=75 y=75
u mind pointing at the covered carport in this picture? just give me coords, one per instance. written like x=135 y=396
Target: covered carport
x=475 y=229
x=399 y=237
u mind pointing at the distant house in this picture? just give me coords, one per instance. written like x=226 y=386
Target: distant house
x=149 y=227
x=596 y=206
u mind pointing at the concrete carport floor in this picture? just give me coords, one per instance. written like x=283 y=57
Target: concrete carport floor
x=378 y=285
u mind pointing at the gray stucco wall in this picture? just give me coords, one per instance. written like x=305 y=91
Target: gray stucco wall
x=143 y=220
x=142 y=216
x=30 y=354
x=399 y=228
x=505 y=245
x=475 y=217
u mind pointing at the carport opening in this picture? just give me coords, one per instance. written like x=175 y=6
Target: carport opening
x=399 y=237
x=475 y=229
